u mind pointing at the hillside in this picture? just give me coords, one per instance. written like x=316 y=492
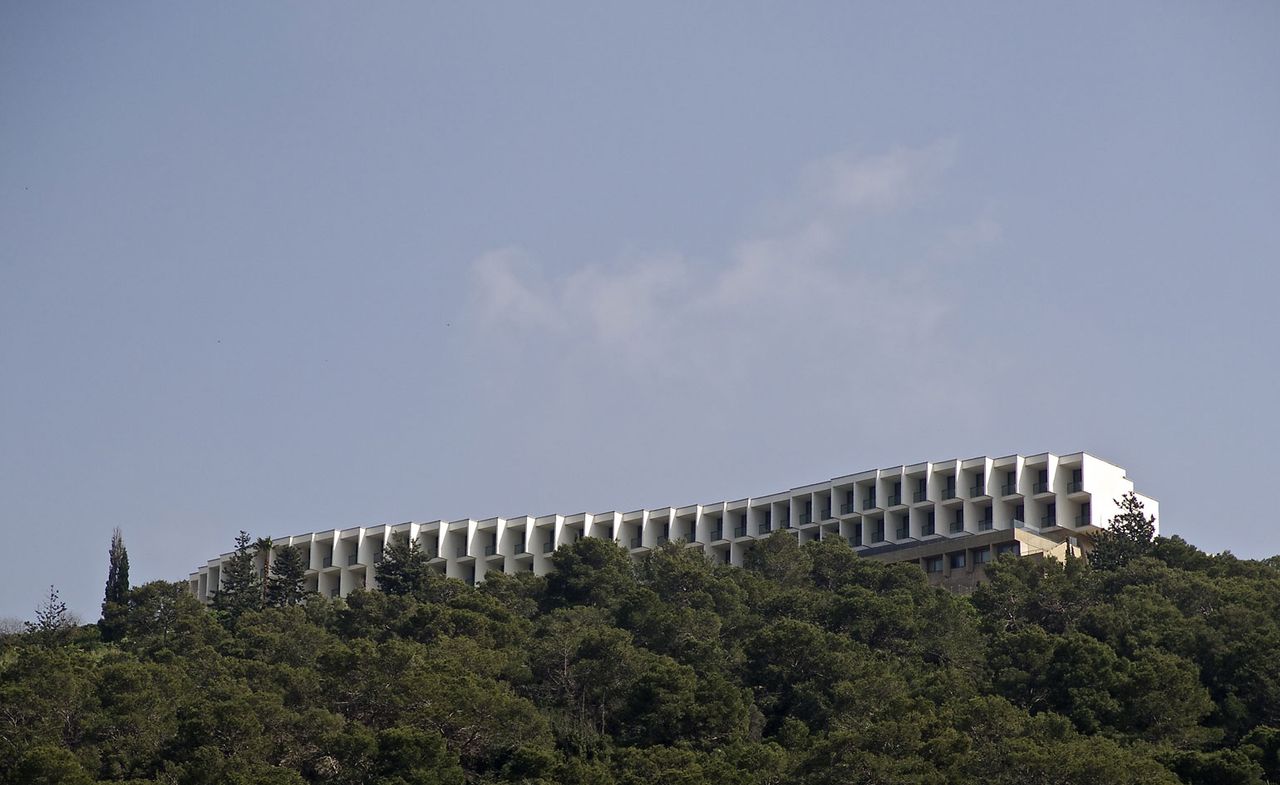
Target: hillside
x=811 y=665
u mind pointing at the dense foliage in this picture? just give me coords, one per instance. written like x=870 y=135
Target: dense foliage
x=811 y=665
x=115 y=599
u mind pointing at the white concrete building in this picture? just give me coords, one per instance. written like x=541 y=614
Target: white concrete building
x=949 y=516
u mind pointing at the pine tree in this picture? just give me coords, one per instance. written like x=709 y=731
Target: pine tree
x=115 y=602
x=287 y=582
x=53 y=622
x=1130 y=535
x=404 y=568
x=241 y=586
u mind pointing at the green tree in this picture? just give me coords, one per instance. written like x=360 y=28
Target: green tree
x=53 y=623
x=47 y=765
x=404 y=569
x=286 y=585
x=115 y=602
x=591 y=571
x=780 y=558
x=408 y=756
x=241 y=588
x=1130 y=535
x=164 y=619
x=262 y=546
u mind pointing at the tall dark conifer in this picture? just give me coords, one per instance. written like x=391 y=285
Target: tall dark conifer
x=241 y=586
x=404 y=568
x=115 y=601
x=1131 y=534
x=287 y=582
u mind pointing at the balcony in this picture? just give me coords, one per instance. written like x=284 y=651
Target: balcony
x=548 y=546
x=919 y=496
x=977 y=490
x=902 y=533
x=895 y=499
x=1075 y=486
x=956 y=527
x=986 y=525
x=740 y=531
x=637 y=541
x=490 y=550
x=1083 y=520
x=826 y=513
x=717 y=534
x=869 y=503
x=662 y=539
x=351 y=559
x=461 y=552
x=1048 y=520
x=848 y=508
x=328 y=561
x=1041 y=487
x=948 y=493
x=1009 y=489
x=855 y=542
x=806 y=518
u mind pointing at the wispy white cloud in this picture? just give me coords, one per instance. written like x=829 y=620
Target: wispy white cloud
x=507 y=293
x=962 y=241
x=803 y=285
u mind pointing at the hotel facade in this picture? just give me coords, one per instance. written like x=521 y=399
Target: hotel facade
x=949 y=517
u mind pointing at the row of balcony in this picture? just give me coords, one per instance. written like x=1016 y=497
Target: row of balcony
x=902 y=532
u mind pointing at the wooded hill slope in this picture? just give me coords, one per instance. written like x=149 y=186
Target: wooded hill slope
x=811 y=665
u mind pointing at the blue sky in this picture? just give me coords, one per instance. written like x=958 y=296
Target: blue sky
x=288 y=267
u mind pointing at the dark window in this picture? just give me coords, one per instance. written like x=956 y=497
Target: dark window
x=957 y=560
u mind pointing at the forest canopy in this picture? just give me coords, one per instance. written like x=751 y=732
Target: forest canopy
x=810 y=665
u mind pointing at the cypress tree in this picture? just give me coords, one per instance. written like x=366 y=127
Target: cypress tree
x=115 y=601
x=264 y=546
